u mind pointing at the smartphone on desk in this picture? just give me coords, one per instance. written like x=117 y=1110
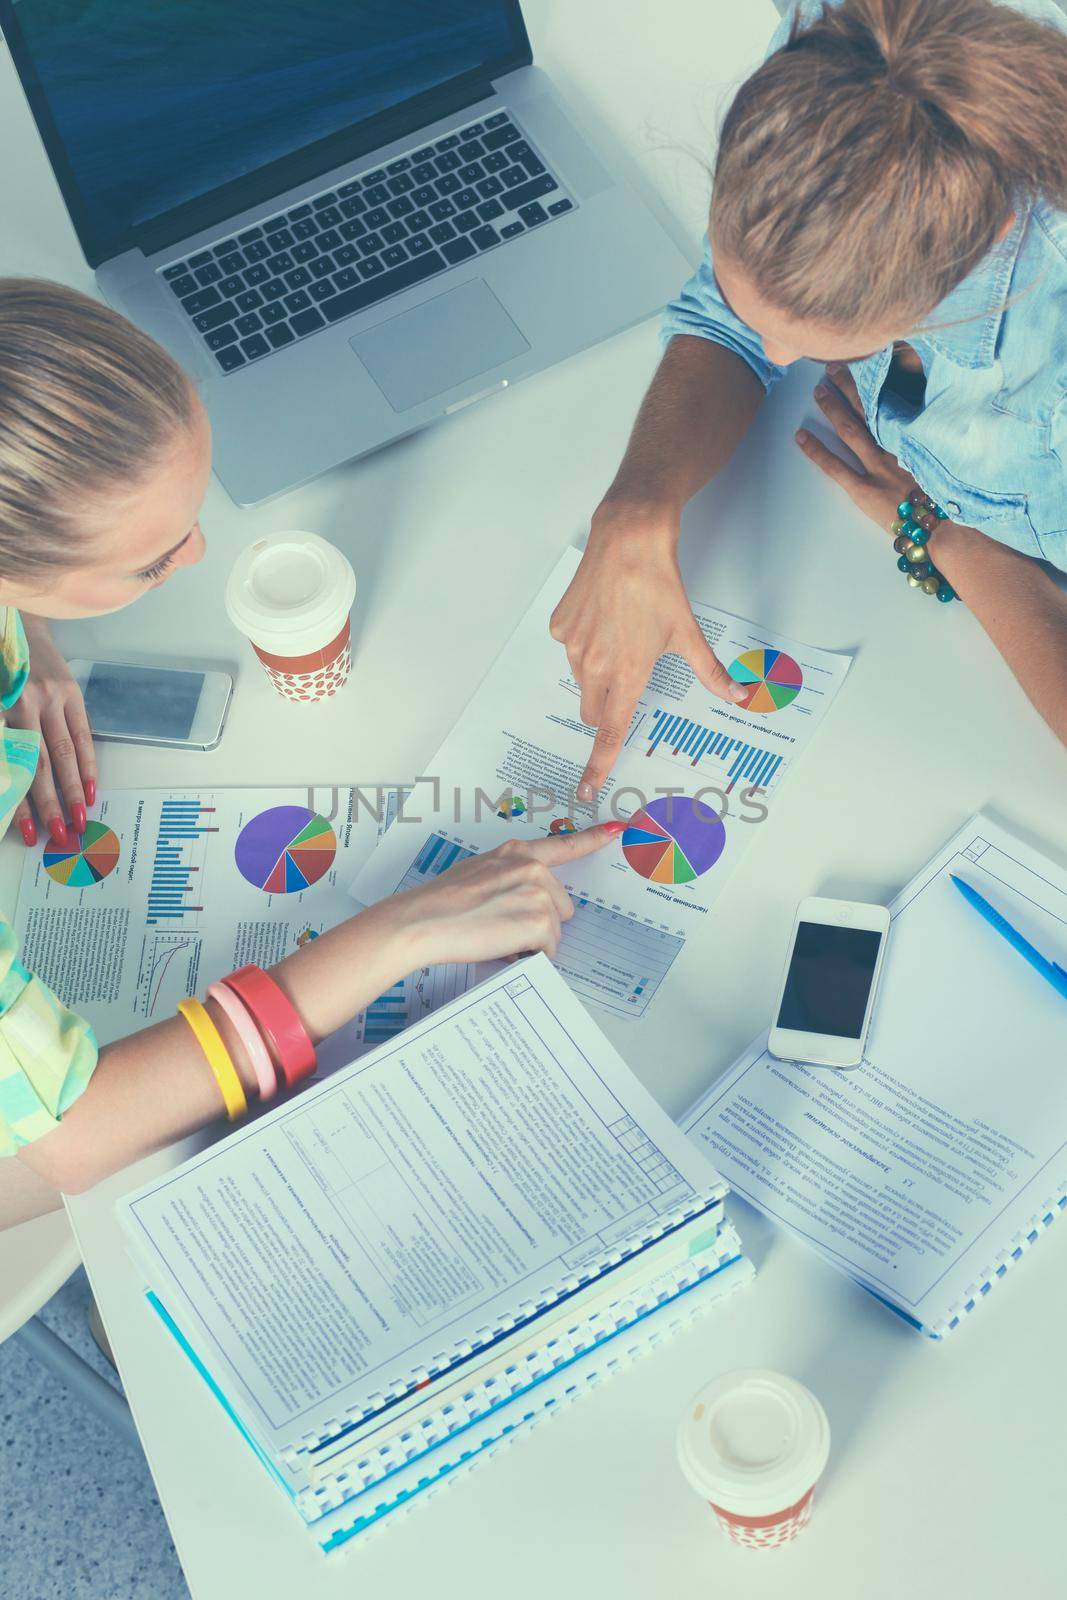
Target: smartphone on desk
x=138 y=703
x=827 y=995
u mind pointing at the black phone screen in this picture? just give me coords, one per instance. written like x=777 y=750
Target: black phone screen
x=829 y=979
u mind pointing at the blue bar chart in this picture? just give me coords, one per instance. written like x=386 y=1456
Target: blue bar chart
x=387 y=1016
x=435 y=857
x=745 y=762
x=179 y=857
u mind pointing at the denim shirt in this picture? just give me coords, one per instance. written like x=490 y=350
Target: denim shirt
x=989 y=443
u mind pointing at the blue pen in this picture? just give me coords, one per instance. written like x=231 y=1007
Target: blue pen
x=1051 y=971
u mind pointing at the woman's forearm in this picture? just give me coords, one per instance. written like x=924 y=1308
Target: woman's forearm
x=156 y=1086
x=23 y=1194
x=1021 y=608
x=698 y=408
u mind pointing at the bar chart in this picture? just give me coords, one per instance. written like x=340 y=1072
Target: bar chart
x=678 y=736
x=386 y=1016
x=173 y=895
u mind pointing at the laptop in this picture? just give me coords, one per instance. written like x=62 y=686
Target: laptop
x=345 y=218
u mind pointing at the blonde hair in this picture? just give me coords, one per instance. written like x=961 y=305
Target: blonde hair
x=870 y=164
x=88 y=405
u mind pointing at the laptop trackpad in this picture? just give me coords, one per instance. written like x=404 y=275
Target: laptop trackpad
x=428 y=350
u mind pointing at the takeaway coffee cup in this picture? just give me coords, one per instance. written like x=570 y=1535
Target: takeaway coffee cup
x=290 y=594
x=754 y=1445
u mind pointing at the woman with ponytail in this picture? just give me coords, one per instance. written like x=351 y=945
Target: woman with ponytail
x=889 y=200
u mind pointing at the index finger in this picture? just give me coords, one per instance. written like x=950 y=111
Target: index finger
x=615 y=716
x=559 y=848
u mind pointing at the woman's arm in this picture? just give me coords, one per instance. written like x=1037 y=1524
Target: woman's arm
x=1023 y=610
x=155 y=1086
x=24 y=1195
x=1018 y=604
x=627 y=605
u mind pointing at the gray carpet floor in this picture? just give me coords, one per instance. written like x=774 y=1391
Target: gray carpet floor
x=80 y=1517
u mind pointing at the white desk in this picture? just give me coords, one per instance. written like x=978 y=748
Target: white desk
x=941 y=1454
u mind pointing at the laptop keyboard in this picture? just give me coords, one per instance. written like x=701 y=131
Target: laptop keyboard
x=373 y=236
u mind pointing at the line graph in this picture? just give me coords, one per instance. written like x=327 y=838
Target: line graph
x=168 y=969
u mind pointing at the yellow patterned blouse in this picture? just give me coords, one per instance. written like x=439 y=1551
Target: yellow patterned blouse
x=47 y=1054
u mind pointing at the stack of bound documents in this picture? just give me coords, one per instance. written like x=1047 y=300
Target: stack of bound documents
x=433 y=1250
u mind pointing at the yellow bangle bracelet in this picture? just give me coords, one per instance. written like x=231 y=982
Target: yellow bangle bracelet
x=212 y=1044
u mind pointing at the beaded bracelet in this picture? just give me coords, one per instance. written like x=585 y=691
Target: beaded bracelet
x=915 y=521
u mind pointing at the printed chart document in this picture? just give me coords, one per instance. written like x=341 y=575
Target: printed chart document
x=169 y=889
x=929 y=1169
x=696 y=777
x=331 y=1258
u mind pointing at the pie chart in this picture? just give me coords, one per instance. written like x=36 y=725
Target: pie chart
x=674 y=839
x=285 y=849
x=772 y=678
x=96 y=854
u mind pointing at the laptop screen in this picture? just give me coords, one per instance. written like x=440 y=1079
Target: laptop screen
x=155 y=103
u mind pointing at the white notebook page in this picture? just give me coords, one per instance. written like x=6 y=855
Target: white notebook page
x=928 y=1169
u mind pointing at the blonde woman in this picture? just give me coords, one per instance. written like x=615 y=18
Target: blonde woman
x=104 y=459
x=889 y=200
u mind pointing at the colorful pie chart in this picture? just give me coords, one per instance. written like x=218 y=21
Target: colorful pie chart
x=772 y=678
x=673 y=839
x=97 y=854
x=285 y=849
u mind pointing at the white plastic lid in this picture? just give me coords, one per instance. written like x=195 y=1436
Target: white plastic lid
x=753 y=1441
x=290 y=592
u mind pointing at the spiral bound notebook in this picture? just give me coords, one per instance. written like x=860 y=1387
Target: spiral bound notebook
x=563 y=1381
x=930 y=1170
x=396 y=1254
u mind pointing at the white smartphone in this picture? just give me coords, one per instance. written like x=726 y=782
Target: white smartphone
x=138 y=703
x=827 y=994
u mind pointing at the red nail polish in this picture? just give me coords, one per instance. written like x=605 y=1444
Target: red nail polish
x=616 y=827
x=28 y=829
x=77 y=816
x=90 y=791
x=57 y=828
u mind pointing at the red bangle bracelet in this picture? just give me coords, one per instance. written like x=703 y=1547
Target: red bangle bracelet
x=277 y=1019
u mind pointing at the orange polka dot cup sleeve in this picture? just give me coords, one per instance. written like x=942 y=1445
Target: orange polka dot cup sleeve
x=291 y=595
x=753 y=1444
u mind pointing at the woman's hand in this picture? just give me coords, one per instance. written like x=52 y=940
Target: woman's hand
x=504 y=903
x=625 y=607
x=883 y=483
x=52 y=703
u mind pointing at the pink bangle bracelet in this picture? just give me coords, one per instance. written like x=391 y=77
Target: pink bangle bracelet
x=245 y=1028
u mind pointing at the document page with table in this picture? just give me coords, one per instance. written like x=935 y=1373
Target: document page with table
x=927 y=1171
x=696 y=777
